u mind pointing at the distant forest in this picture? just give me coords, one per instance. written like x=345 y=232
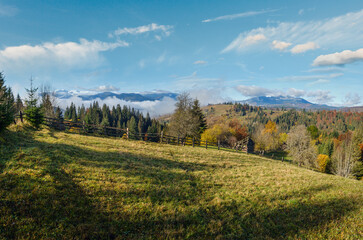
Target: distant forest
x=120 y=117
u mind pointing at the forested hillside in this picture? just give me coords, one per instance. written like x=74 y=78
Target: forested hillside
x=334 y=138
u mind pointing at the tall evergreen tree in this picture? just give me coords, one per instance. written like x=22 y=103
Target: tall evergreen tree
x=19 y=104
x=33 y=113
x=132 y=126
x=197 y=112
x=7 y=108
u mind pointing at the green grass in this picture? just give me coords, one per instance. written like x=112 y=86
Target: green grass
x=56 y=185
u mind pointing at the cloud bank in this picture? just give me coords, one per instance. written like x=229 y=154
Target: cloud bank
x=154 y=108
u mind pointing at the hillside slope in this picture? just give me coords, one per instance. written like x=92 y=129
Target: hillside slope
x=58 y=185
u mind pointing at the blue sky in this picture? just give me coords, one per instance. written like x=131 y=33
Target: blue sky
x=217 y=50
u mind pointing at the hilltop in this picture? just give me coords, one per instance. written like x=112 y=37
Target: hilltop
x=286 y=102
x=62 y=185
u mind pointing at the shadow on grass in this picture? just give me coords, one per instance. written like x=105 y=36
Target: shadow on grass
x=57 y=204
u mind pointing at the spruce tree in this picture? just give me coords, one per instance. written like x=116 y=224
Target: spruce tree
x=19 y=104
x=7 y=107
x=33 y=114
x=132 y=125
x=197 y=112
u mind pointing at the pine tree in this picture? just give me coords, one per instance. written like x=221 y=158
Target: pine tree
x=19 y=104
x=58 y=114
x=140 y=128
x=7 y=108
x=33 y=114
x=73 y=113
x=132 y=126
x=197 y=112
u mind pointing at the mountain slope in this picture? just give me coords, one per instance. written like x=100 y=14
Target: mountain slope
x=59 y=185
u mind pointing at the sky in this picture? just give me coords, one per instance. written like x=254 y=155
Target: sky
x=216 y=50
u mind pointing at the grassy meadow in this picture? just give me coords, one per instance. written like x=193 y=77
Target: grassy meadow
x=56 y=185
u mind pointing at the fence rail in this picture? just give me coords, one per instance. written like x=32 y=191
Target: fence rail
x=83 y=128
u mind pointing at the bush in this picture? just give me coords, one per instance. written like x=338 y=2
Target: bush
x=323 y=161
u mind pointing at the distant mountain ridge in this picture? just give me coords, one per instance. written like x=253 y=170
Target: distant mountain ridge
x=132 y=97
x=285 y=101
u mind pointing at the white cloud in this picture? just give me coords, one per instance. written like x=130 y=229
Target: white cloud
x=319 y=81
x=241 y=43
x=352 y=99
x=208 y=95
x=339 y=58
x=105 y=88
x=300 y=48
x=320 y=96
x=296 y=92
x=342 y=31
x=67 y=54
x=153 y=27
x=238 y=15
x=8 y=11
x=200 y=62
x=280 y=45
x=310 y=77
x=255 y=91
x=301 y=12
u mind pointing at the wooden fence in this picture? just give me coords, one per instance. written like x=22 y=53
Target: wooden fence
x=245 y=145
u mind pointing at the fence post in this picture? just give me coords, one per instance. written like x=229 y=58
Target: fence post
x=183 y=141
x=178 y=141
x=282 y=159
x=219 y=144
x=127 y=133
x=206 y=144
x=161 y=136
x=193 y=141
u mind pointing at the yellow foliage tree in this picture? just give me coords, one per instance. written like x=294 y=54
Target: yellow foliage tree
x=212 y=134
x=270 y=127
x=282 y=138
x=323 y=161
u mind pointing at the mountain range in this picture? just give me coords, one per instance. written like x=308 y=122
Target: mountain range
x=285 y=101
x=131 y=97
x=273 y=101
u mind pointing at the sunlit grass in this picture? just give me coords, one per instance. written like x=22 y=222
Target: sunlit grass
x=56 y=185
